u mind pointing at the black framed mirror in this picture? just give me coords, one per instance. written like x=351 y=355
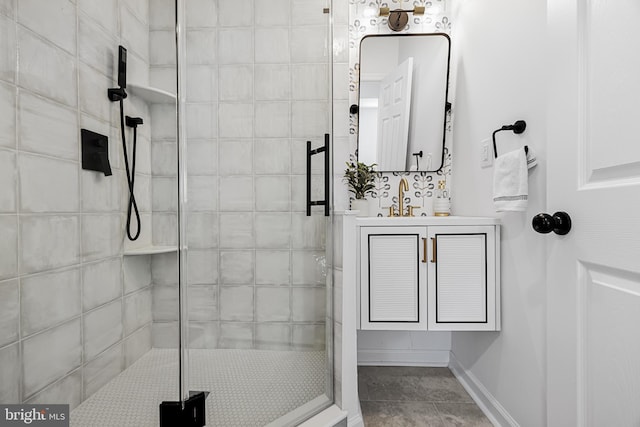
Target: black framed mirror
x=403 y=101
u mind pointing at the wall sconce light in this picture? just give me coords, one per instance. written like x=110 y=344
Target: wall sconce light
x=398 y=18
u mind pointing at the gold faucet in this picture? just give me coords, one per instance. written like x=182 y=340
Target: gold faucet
x=404 y=186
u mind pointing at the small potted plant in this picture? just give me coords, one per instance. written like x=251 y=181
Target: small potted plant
x=359 y=178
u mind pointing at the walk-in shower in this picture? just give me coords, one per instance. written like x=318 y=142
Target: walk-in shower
x=224 y=288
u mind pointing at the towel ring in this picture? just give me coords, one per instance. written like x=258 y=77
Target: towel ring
x=518 y=127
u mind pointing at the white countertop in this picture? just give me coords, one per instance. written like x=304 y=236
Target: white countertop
x=426 y=220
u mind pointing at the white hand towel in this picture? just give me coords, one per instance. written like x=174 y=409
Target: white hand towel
x=510 y=182
x=532 y=160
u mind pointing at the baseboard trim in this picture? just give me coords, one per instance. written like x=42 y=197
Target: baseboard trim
x=355 y=421
x=496 y=413
x=432 y=358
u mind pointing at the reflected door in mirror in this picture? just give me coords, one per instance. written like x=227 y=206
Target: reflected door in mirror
x=403 y=97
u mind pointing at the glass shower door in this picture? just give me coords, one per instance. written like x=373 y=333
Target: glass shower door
x=256 y=326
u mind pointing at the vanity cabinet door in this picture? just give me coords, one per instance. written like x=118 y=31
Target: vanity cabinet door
x=393 y=278
x=462 y=291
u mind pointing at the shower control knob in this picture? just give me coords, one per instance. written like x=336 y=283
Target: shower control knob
x=559 y=223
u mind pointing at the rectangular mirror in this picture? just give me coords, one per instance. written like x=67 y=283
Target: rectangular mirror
x=404 y=82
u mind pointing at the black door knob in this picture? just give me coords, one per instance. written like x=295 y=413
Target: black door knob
x=559 y=223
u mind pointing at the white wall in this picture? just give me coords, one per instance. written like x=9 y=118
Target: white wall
x=499 y=56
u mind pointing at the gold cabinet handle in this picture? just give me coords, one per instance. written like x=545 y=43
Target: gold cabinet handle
x=424 y=249
x=434 y=249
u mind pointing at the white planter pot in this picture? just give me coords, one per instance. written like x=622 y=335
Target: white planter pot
x=361 y=205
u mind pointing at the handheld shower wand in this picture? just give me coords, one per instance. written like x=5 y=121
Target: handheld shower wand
x=132 y=122
x=118 y=95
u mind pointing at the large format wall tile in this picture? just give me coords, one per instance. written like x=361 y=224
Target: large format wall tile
x=42 y=121
x=61 y=227
x=235 y=158
x=7 y=181
x=137 y=344
x=7 y=109
x=236 y=13
x=61 y=247
x=162 y=49
x=102 y=369
x=137 y=273
x=236 y=335
x=202 y=13
x=95 y=47
x=67 y=391
x=135 y=33
x=272 y=304
x=235 y=45
x=273 y=230
x=102 y=328
x=273 y=267
x=203 y=334
x=273 y=13
x=59 y=82
x=203 y=302
x=9 y=312
x=272 y=82
x=137 y=310
x=51 y=355
x=101 y=282
x=49 y=299
x=202 y=230
x=309 y=304
x=236 y=267
x=165 y=334
x=236 y=230
x=104 y=12
x=102 y=236
x=10 y=374
x=273 y=157
x=273 y=336
x=55 y=20
x=165 y=303
x=272 y=45
x=236 y=303
x=202 y=267
x=48 y=185
x=92 y=99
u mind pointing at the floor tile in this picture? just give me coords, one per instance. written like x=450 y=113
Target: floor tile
x=462 y=414
x=400 y=414
x=412 y=384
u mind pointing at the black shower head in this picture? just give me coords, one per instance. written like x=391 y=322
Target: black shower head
x=133 y=122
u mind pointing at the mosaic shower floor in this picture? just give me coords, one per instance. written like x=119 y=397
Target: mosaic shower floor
x=248 y=387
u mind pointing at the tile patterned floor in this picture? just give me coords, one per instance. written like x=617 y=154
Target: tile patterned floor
x=415 y=397
x=248 y=387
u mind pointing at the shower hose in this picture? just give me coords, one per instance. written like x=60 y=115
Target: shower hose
x=131 y=176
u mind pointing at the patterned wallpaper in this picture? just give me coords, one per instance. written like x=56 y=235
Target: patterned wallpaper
x=363 y=21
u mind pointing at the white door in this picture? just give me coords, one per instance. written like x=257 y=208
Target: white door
x=394 y=107
x=593 y=159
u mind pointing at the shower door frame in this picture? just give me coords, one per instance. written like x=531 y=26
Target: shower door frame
x=293 y=418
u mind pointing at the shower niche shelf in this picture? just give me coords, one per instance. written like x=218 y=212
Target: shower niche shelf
x=150 y=94
x=150 y=250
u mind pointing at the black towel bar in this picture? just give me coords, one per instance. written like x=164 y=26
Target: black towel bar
x=518 y=127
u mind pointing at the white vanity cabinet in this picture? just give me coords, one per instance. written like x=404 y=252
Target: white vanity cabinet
x=428 y=273
x=393 y=282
